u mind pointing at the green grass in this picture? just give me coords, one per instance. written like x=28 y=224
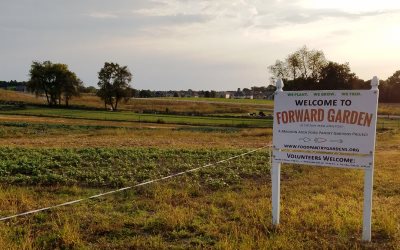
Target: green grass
x=135 y=117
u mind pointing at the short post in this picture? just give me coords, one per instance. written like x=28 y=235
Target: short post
x=279 y=85
x=367 y=210
x=276 y=191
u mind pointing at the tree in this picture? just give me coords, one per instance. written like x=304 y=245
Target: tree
x=114 y=84
x=337 y=76
x=213 y=94
x=316 y=61
x=42 y=80
x=145 y=93
x=293 y=65
x=70 y=86
x=389 y=90
x=303 y=63
x=89 y=90
x=54 y=80
x=278 y=70
x=309 y=70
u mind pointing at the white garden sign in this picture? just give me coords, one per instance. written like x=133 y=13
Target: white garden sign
x=334 y=128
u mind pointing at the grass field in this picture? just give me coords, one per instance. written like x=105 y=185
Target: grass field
x=388 y=123
x=50 y=156
x=179 y=105
x=200 y=106
x=225 y=207
x=270 y=103
x=230 y=120
x=135 y=117
x=60 y=133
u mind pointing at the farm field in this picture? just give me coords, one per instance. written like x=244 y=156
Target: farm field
x=226 y=120
x=52 y=132
x=179 y=105
x=145 y=118
x=269 y=103
x=226 y=206
x=51 y=156
x=201 y=106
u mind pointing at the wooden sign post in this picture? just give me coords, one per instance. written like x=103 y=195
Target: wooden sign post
x=334 y=128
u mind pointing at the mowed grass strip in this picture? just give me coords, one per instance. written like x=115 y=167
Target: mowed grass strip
x=145 y=118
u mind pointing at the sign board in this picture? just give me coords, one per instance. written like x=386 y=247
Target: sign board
x=325 y=121
x=318 y=159
x=333 y=128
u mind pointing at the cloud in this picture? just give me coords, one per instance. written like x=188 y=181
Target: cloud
x=183 y=18
x=102 y=15
x=213 y=41
x=301 y=16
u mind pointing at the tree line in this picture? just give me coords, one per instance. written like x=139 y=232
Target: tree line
x=303 y=69
x=307 y=69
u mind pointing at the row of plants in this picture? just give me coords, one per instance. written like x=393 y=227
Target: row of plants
x=111 y=167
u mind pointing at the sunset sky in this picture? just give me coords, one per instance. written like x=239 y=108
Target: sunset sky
x=182 y=44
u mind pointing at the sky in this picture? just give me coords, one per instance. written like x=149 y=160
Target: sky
x=196 y=44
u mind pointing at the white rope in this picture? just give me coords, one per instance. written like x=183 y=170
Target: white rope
x=126 y=188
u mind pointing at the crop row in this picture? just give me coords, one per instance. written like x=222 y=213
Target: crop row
x=110 y=167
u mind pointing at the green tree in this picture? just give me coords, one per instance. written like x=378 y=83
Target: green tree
x=337 y=76
x=54 y=80
x=307 y=69
x=114 y=84
x=389 y=90
x=213 y=94
x=303 y=63
x=89 y=90
x=145 y=93
x=70 y=86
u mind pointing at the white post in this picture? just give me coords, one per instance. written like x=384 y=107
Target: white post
x=276 y=191
x=368 y=181
x=367 y=210
x=279 y=85
x=276 y=174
